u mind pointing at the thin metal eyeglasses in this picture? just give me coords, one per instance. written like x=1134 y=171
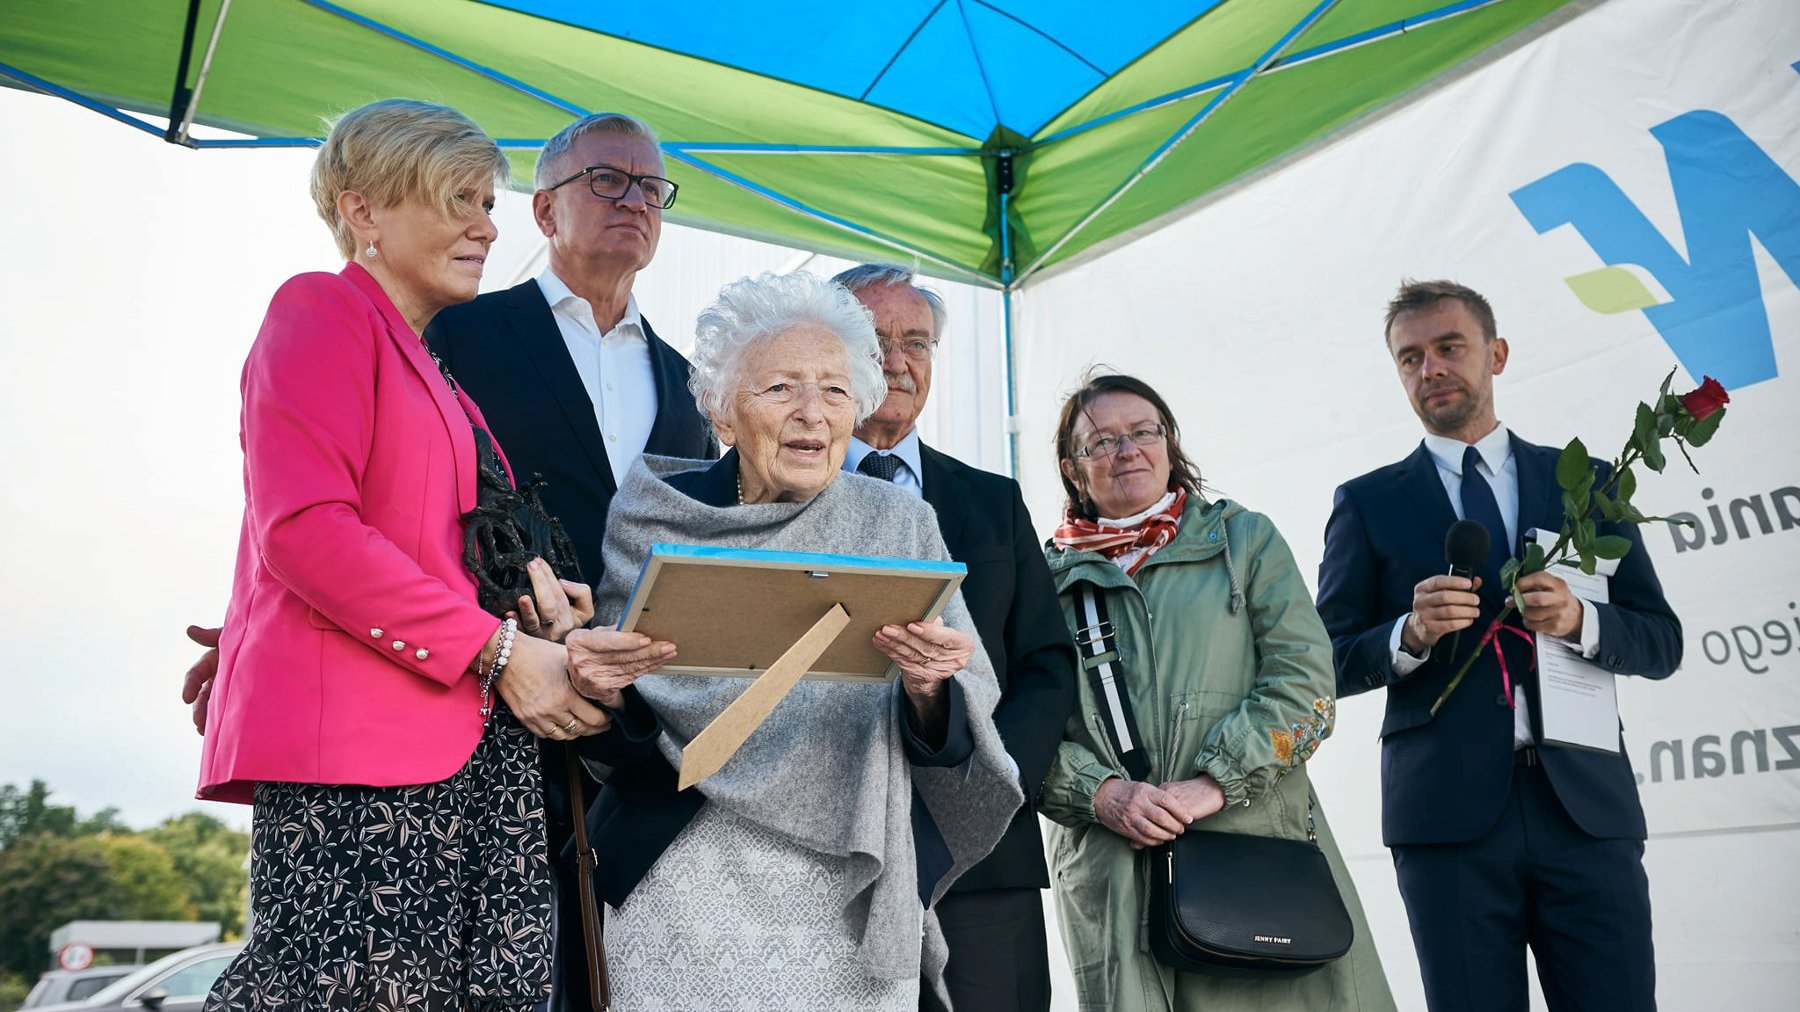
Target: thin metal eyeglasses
x=610 y=182
x=1106 y=446
x=916 y=348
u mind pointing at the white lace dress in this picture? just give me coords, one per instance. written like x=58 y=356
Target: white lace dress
x=734 y=917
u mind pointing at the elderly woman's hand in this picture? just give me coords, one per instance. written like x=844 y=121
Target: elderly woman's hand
x=1145 y=814
x=1197 y=798
x=603 y=661
x=562 y=606
x=538 y=692
x=927 y=656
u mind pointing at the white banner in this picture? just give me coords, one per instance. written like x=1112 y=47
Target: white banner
x=1624 y=192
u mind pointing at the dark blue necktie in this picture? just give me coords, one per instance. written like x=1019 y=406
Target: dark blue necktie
x=886 y=465
x=1479 y=505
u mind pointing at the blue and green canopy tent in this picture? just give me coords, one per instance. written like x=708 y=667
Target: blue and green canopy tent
x=986 y=140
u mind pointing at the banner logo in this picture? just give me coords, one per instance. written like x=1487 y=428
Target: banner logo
x=1728 y=191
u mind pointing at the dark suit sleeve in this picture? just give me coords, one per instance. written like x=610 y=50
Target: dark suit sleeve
x=1639 y=633
x=632 y=737
x=1040 y=662
x=958 y=744
x=1349 y=596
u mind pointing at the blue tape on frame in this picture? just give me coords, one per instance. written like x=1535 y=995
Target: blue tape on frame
x=822 y=560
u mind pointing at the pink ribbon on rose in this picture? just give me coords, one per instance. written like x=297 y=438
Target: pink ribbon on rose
x=1493 y=632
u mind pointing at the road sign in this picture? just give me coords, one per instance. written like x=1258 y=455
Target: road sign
x=75 y=956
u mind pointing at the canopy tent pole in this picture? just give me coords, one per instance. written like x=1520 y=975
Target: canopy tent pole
x=1242 y=78
x=186 y=100
x=1003 y=183
x=1012 y=410
x=178 y=102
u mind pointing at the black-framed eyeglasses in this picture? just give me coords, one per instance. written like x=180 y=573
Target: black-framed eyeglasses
x=609 y=182
x=1106 y=446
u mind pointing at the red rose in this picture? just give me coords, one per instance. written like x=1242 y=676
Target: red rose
x=1705 y=401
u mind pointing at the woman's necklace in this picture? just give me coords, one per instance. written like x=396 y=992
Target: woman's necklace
x=442 y=368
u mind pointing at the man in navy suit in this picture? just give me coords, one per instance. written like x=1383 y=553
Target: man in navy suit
x=576 y=386
x=992 y=917
x=1499 y=841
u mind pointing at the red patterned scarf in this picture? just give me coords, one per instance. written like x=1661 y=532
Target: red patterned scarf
x=1078 y=533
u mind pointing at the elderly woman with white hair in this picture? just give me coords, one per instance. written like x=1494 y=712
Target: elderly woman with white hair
x=783 y=882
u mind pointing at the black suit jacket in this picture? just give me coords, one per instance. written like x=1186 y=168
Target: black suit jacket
x=1445 y=779
x=1013 y=601
x=506 y=351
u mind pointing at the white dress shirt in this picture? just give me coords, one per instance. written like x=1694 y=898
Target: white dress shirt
x=614 y=368
x=1501 y=469
x=908 y=476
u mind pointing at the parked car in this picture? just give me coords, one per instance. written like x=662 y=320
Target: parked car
x=56 y=987
x=174 y=983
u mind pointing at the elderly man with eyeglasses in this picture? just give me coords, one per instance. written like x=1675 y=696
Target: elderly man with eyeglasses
x=992 y=916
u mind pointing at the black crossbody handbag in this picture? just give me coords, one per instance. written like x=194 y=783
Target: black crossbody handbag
x=1221 y=903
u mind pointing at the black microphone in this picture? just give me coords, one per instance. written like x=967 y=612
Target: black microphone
x=1465 y=549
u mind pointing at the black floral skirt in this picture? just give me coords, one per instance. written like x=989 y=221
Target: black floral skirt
x=433 y=897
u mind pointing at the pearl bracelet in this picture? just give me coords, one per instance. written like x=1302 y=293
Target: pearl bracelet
x=502 y=654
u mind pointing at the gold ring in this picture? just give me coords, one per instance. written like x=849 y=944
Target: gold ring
x=570 y=726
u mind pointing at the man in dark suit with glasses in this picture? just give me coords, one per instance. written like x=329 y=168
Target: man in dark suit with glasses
x=993 y=916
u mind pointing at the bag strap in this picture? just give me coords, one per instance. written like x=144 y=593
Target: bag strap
x=599 y=990
x=1099 y=644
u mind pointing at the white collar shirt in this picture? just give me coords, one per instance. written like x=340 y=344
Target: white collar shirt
x=908 y=476
x=1497 y=466
x=614 y=369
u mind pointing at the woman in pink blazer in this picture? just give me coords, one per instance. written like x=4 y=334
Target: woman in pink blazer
x=379 y=719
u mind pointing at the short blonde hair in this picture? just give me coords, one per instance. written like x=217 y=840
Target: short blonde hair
x=398 y=148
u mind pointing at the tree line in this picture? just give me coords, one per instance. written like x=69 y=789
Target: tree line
x=57 y=866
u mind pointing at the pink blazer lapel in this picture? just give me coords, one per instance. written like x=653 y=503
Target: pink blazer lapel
x=412 y=349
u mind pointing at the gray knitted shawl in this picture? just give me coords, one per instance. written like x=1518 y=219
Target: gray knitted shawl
x=827 y=770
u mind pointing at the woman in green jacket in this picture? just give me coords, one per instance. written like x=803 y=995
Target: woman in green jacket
x=1229 y=676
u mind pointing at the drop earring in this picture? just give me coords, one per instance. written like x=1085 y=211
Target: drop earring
x=371 y=252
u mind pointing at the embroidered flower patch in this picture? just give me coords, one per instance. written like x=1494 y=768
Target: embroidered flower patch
x=1296 y=743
